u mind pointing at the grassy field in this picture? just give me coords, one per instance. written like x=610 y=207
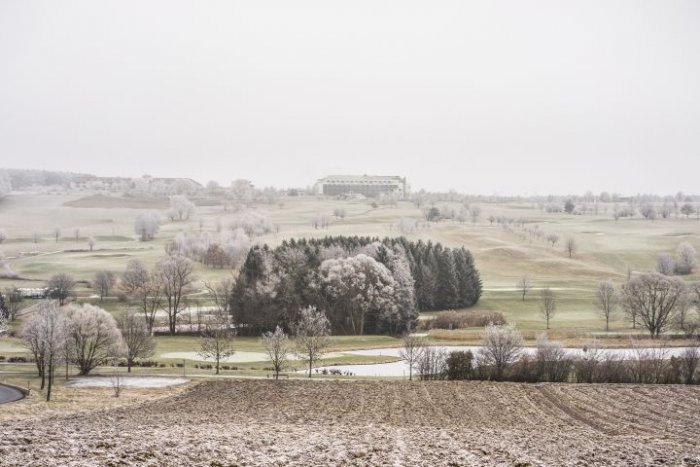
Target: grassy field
x=607 y=248
x=358 y=423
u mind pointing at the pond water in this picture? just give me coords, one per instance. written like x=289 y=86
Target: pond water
x=127 y=381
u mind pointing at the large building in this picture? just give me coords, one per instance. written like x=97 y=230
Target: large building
x=367 y=185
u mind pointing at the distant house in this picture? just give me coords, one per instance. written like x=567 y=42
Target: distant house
x=367 y=185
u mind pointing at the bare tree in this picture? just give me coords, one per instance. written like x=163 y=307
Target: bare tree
x=217 y=339
x=44 y=333
x=412 y=352
x=61 y=287
x=685 y=320
x=654 y=297
x=524 y=285
x=553 y=239
x=116 y=381
x=219 y=332
x=277 y=348
x=138 y=342
x=76 y=234
x=548 y=304
x=144 y=288
x=103 y=283
x=500 y=347
x=312 y=333
x=606 y=300
x=13 y=302
x=175 y=277
x=56 y=233
x=93 y=337
x=571 y=247
x=690 y=360
x=474 y=213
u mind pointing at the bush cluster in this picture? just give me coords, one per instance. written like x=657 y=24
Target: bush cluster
x=456 y=320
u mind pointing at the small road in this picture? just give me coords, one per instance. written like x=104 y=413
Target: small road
x=9 y=394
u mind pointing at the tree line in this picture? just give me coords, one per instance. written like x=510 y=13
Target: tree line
x=366 y=285
x=502 y=357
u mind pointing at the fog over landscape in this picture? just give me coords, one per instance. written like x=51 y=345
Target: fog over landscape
x=484 y=97
x=366 y=233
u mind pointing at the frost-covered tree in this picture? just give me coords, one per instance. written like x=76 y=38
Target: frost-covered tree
x=146 y=225
x=225 y=249
x=91 y=243
x=357 y=286
x=143 y=288
x=686 y=258
x=56 y=233
x=136 y=335
x=311 y=335
x=500 y=347
x=103 y=282
x=5 y=184
x=320 y=221
x=665 y=265
x=277 y=348
x=253 y=223
x=181 y=208
x=93 y=337
x=45 y=335
x=3 y=236
x=175 y=275
x=61 y=287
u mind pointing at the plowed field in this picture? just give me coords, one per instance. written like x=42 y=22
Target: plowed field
x=222 y=423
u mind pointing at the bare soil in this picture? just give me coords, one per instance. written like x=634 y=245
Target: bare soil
x=307 y=423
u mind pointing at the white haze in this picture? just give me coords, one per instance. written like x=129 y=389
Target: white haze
x=489 y=96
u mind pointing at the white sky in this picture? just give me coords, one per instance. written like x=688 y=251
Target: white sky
x=486 y=97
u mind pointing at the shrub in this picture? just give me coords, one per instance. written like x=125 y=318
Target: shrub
x=459 y=365
x=468 y=319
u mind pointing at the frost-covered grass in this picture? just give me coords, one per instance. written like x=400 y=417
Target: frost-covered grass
x=606 y=247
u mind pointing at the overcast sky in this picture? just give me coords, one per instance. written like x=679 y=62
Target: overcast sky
x=483 y=97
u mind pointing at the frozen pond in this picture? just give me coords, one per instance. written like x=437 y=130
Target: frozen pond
x=238 y=357
x=401 y=369
x=127 y=381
